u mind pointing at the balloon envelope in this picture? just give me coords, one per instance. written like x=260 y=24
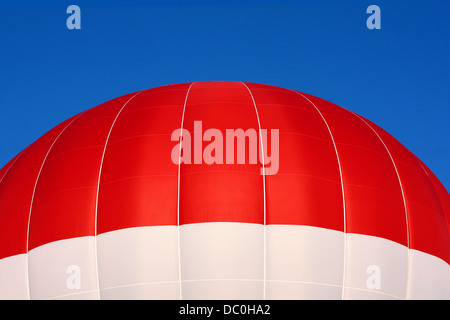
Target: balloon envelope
x=221 y=190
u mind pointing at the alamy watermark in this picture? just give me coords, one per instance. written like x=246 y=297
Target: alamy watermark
x=236 y=147
x=74 y=20
x=373 y=281
x=73 y=281
x=374 y=20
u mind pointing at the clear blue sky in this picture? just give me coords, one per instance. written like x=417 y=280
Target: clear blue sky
x=398 y=76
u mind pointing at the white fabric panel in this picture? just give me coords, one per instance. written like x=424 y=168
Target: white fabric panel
x=228 y=255
x=376 y=268
x=14 y=278
x=139 y=262
x=430 y=277
x=143 y=291
x=223 y=289
x=223 y=260
x=64 y=269
x=304 y=262
x=291 y=290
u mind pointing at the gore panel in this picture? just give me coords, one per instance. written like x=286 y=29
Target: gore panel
x=214 y=192
x=306 y=190
x=138 y=183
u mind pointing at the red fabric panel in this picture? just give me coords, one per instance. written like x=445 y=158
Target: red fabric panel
x=221 y=192
x=138 y=185
x=306 y=190
x=442 y=193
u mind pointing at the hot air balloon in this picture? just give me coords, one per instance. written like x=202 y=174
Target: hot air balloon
x=221 y=190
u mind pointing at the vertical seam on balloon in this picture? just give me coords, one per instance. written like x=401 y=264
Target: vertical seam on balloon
x=403 y=197
x=12 y=164
x=98 y=190
x=421 y=164
x=178 y=191
x=264 y=193
x=434 y=188
x=34 y=192
x=342 y=190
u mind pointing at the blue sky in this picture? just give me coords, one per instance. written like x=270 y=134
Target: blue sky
x=398 y=76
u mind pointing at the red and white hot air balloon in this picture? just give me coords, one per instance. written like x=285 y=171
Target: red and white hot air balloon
x=276 y=194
